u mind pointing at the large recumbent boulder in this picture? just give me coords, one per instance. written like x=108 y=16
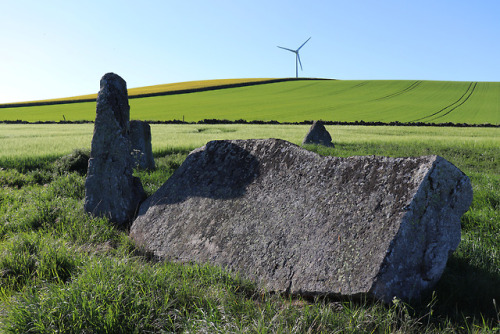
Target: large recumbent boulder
x=300 y=223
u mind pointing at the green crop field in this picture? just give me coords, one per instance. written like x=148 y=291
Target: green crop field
x=295 y=101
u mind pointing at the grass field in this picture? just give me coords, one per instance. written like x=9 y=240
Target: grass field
x=41 y=140
x=295 y=101
x=64 y=271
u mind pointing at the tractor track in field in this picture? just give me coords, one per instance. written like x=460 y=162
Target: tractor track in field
x=361 y=84
x=405 y=90
x=449 y=108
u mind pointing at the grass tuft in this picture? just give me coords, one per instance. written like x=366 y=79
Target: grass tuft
x=76 y=161
x=30 y=257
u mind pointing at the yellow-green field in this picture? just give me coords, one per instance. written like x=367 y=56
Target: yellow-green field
x=170 y=87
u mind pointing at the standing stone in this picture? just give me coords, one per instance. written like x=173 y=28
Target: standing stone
x=110 y=188
x=297 y=222
x=318 y=135
x=140 y=138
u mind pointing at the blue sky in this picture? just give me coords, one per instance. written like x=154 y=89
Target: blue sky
x=55 y=48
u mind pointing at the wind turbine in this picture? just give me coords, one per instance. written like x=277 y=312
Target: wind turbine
x=297 y=57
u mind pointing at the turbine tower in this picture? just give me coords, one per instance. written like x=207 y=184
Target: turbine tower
x=297 y=57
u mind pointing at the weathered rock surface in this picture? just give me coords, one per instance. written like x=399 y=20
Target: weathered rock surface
x=140 y=138
x=318 y=135
x=110 y=188
x=297 y=222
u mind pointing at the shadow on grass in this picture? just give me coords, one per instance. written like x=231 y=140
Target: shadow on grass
x=161 y=153
x=463 y=297
x=465 y=292
x=26 y=164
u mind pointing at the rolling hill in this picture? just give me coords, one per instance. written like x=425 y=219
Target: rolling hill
x=286 y=100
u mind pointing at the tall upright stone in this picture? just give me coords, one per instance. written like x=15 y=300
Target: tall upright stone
x=110 y=188
x=140 y=138
x=318 y=135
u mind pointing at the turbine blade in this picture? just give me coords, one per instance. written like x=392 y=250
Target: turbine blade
x=298 y=57
x=286 y=49
x=304 y=43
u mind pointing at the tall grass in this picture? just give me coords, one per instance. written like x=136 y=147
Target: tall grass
x=64 y=271
x=29 y=142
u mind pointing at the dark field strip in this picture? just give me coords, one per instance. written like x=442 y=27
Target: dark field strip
x=468 y=92
x=273 y=122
